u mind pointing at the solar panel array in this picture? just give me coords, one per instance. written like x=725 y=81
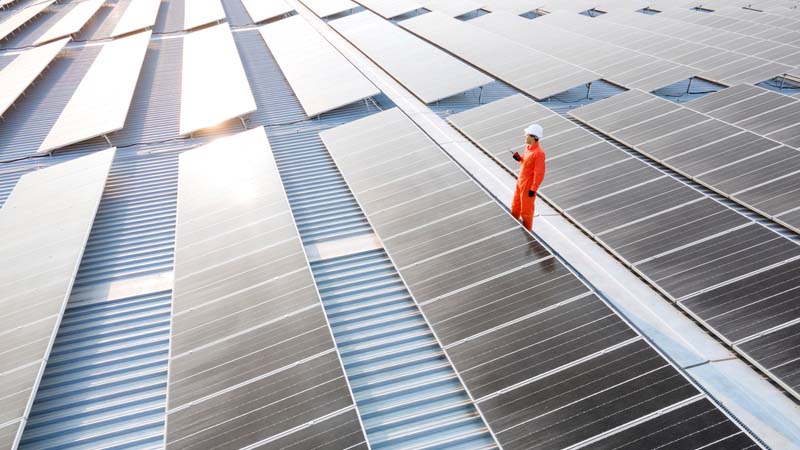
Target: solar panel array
x=619 y=65
x=426 y=71
x=320 y=76
x=684 y=242
x=251 y=354
x=528 y=70
x=741 y=142
x=45 y=223
x=252 y=359
x=535 y=347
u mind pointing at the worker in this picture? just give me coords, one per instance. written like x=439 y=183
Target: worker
x=531 y=174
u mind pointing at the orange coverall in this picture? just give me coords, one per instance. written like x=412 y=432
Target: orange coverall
x=531 y=174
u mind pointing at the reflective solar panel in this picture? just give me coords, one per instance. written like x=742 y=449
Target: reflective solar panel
x=426 y=71
x=261 y=10
x=320 y=76
x=252 y=359
x=325 y=8
x=453 y=8
x=17 y=75
x=511 y=318
x=72 y=21
x=45 y=223
x=390 y=8
x=138 y=15
x=100 y=103
x=530 y=71
x=21 y=17
x=202 y=12
x=214 y=86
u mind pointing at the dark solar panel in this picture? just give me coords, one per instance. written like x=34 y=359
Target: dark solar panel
x=534 y=346
x=251 y=353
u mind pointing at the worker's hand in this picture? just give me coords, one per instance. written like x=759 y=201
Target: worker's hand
x=531 y=193
x=517 y=157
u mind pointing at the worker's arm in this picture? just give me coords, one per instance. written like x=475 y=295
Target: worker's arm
x=538 y=172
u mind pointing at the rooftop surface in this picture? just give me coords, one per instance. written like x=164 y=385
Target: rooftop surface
x=284 y=224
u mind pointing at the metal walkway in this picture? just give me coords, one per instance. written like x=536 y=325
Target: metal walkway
x=407 y=393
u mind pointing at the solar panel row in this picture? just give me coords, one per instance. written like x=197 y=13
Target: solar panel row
x=535 y=347
x=321 y=78
x=528 y=70
x=682 y=241
x=750 y=166
x=202 y=12
x=452 y=8
x=723 y=58
x=426 y=71
x=45 y=223
x=619 y=65
x=251 y=354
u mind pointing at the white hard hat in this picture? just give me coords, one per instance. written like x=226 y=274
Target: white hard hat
x=534 y=130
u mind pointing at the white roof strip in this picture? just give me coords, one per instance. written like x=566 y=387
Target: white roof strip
x=320 y=76
x=100 y=103
x=23 y=69
x=261 y=10
x=202 y=12
x=21 y=17
x=72 y=22
x=428 y=72
x=139 y=14
x=45 y=224
x=390 y=8
x=529 y=70
x=325 y=8
x=214 y=86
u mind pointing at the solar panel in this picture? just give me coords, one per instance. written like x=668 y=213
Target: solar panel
x=202 y=12
x=72 y=21
x=17 y=75
x=648 y=74
x=21 y=17
x=100 y=103
x=251 y=356
x=452 y=8
x=511 y=317
x=321 y=78
x=261 y=10
x=138 y=15
x=778 y=353
x=512 y=6
x=710 y=151
x=46 y=222
x=426 y=71
x=390 y=8
x=325 y=8
x=214 y=86
x=530 y=71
